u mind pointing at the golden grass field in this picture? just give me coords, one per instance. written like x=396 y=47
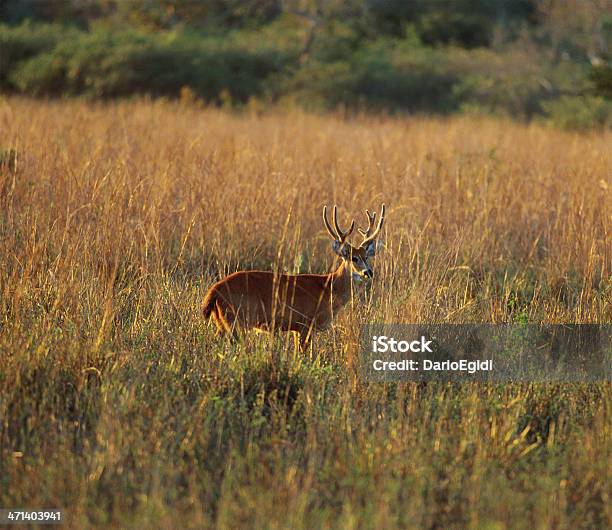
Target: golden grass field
x=119 y=405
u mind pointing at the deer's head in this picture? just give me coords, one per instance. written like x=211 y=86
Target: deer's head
x=356 y=258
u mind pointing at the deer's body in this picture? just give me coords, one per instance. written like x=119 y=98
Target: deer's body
x=267 y=301
x=304 y=303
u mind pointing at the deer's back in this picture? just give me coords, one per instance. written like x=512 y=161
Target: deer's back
x=263 y=296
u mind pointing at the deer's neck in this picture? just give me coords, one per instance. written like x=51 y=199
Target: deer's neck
x=340 y=284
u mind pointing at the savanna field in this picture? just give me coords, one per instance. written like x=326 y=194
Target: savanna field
x=119 y=404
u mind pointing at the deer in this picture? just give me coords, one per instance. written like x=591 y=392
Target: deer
x=302 y=303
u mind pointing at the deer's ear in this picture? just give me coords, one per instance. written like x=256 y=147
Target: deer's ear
x=372 y=247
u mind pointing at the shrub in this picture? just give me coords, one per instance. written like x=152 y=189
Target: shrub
x=381 y=74
x=579 y=112
x=105 y=63
x=600 y=77
x=26 y=41
x=280 y=62
x=405 y=77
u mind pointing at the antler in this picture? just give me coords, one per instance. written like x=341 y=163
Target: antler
x=371 y=219
x=339 y=235
x=368 y=235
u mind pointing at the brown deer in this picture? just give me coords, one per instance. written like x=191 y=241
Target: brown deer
x=304 y=303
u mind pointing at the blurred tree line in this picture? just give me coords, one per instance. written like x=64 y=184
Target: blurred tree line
x=523 y=58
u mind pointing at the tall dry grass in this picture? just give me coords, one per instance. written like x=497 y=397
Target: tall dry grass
x=118 y=404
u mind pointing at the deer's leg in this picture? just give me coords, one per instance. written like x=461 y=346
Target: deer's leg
x=226 y=321
x=217 y=321
x=219 y=327
x=305 y=337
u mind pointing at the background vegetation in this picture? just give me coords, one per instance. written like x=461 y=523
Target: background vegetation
x=118 y=404
x=548 y=59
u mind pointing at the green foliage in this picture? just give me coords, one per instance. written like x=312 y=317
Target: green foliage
x=158 y=14
x=579 y=112
x=389 y=55
x=404 y=77
x=107 y=63
x=468 y=23
x=601 y=78
x=499 y=93
x=448 y=27
x=26 y=41
x=382 y=74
